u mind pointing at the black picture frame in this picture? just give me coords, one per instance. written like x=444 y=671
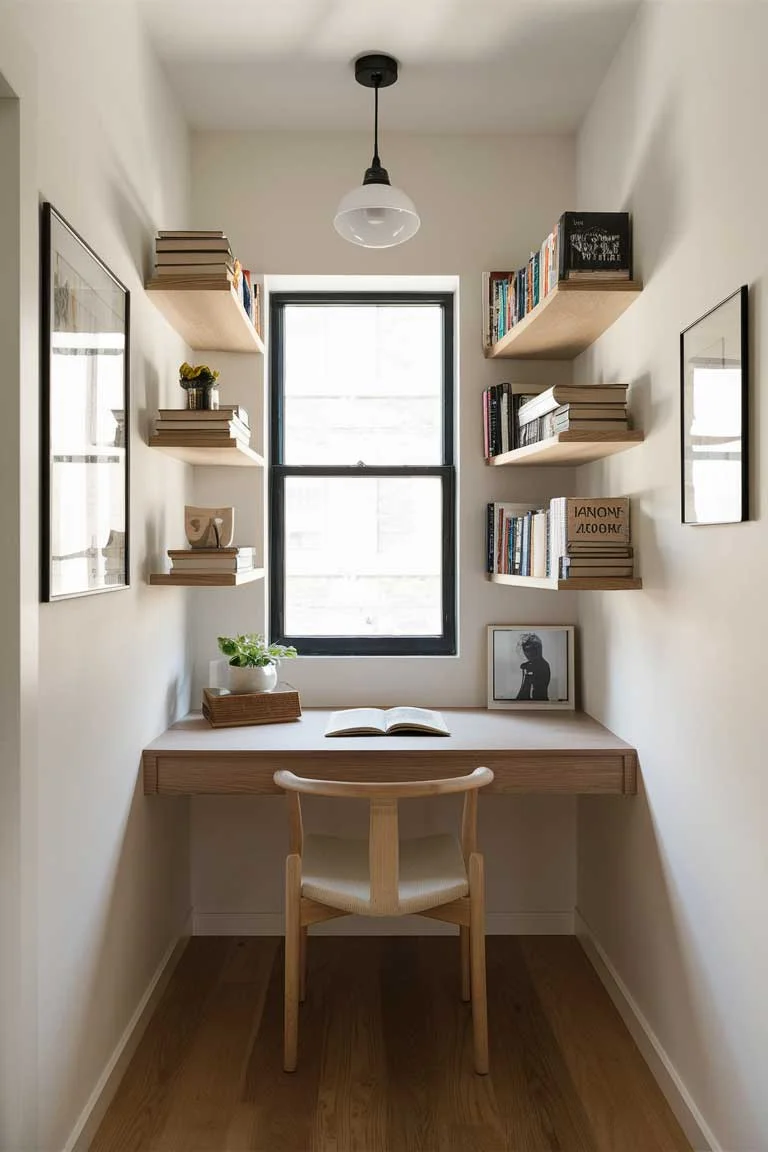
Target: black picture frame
x=714 y=414
x=85 y=417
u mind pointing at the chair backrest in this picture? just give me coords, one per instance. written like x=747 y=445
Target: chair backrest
x=383 y=842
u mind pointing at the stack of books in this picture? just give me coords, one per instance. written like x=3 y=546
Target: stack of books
x=202 y=261
x=592 y=408
x=194 y=260
x=207 y=561
x=589 y=538
x=585 y=246
x=224 y=427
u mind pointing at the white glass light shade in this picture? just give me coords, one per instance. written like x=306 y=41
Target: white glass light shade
x=376 y=216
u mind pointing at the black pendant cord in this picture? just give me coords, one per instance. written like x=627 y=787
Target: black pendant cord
x=376 y=162
x=376 y=174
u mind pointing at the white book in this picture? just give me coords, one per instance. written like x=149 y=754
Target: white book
x=385 y=722
x=212 y=565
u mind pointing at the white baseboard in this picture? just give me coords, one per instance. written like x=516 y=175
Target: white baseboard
x=85 y=1129
x=271 y=924
x=678 y=1097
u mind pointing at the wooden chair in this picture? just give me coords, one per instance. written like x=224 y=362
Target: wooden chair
x=436 y=876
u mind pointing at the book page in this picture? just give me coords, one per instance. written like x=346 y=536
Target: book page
x=356 y=722
x=419 y=719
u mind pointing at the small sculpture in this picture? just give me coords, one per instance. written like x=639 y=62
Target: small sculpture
x=209 y=527
x=199 y=382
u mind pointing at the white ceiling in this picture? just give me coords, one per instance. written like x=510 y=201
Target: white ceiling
x=466 y=65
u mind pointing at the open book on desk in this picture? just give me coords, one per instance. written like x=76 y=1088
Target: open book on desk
x=385 y=722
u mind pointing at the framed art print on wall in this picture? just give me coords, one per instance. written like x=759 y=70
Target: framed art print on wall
x=714 y=391
x=85 y=426
x=531 y=666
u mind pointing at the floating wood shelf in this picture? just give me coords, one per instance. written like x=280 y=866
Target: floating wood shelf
x=576 y=584
x=568 y=320
x=230 y=455
x=206 y=579
x=570 y=448
x=211 y=318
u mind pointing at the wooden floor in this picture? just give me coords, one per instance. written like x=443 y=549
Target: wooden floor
x=385 y=1056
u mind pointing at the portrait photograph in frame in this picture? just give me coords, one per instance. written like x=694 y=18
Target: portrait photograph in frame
x=531 y=666
x=84 y=420
x=714 y=429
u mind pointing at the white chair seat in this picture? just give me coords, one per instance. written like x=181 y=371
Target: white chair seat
x=334 y=871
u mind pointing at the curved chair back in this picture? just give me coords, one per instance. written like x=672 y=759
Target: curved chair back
x=384 y=839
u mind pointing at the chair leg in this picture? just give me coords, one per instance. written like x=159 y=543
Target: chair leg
x=303 y=964
x=292 y=960
x=464 y=944
x=477 y=961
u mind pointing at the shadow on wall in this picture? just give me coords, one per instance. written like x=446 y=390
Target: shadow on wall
x=654 y=197
x=132 y=220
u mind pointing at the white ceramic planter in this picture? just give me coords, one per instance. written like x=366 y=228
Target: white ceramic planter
x=253 y=679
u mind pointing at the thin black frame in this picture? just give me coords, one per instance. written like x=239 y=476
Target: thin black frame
x=743 y=294
x=443 y=645
x=47 y=214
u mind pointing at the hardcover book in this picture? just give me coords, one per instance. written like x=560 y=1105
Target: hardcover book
x=594 y=242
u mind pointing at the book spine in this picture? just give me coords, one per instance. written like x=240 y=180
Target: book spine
x=489 y=549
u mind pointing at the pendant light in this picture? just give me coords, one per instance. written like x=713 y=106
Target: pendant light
x=376 y=215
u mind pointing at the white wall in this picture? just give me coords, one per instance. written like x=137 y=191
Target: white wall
x=105 y=874
x=485 y=202
x=673 y=886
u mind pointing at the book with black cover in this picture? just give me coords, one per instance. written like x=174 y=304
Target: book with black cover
x=594 y=242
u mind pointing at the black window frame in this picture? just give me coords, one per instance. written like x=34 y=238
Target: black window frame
x=443 y=645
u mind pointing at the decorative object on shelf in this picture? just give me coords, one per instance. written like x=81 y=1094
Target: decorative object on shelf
x=376 y=215
x=252 y=662
x=714 y=396
x=199 y=383
x=85 y=337
x=209 y=527
x=531 y=666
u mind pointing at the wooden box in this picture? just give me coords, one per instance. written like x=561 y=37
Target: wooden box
x=224 y=709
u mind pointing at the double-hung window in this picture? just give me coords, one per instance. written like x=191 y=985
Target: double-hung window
x=362 y=477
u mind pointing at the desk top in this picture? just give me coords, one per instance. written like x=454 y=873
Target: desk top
x=529 y=752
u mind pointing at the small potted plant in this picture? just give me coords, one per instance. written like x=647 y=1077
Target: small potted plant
x=252 y=662
x=199 y=382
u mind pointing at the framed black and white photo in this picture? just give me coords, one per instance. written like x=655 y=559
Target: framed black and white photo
x=85 y=337
x=714 y=387
x=531 y=666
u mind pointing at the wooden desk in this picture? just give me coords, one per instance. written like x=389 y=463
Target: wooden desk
x=530 y=752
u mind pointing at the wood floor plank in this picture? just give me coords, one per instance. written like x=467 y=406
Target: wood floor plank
x=277 y=1110
x=145 y=1095
x=351 y=1104
x=410 y=1052
x=211 y=1083
x=625 y=1107
x=385 y=1056
x=469 y=1118
x=538 y=1101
